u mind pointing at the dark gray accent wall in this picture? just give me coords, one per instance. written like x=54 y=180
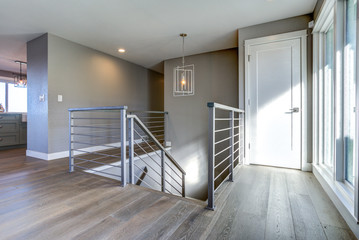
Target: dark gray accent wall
x=87 y=78
x=273 y=28
x=37 y=74
x=216 y=79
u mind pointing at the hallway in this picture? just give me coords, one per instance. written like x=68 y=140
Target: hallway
x=40 y=200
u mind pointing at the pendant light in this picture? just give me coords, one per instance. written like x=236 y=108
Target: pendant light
x=183 y=76
x=20 y=79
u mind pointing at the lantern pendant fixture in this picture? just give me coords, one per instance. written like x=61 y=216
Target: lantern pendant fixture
x=20 y=80
x=183 y=76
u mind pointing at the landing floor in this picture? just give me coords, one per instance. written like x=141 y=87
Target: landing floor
x=40 y=200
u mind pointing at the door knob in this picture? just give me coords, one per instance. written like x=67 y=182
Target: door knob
x=293 y=110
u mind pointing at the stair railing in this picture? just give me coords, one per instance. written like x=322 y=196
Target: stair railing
x=164 y=173
x=155 y=121
x=97 y=137
x=225 y=146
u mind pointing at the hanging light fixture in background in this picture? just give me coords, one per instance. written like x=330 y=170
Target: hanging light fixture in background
x=20 y=79
x=183 y=79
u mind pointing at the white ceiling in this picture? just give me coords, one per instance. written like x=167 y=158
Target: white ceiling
x=147 y=29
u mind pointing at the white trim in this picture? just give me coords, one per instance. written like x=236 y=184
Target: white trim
x=326 y=14
x=302 y=35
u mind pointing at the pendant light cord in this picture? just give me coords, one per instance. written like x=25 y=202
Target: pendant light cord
x=183 y=51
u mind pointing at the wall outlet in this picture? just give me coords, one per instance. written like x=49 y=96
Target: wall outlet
x=42 y=98
x=59 y=98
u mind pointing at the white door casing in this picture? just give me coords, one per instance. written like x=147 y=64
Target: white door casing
x=275 y=82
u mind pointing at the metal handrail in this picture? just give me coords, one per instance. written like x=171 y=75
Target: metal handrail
x=224 y=107
x=158 y=144
x=227 y=144
x=164 y=153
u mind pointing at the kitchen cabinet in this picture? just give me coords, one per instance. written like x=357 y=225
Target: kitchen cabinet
x=13 y=131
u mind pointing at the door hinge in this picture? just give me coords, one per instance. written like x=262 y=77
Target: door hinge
x=249 y=58
x=249 y=102
x=249 y=145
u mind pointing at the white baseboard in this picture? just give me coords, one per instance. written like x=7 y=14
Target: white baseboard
x=65 y=154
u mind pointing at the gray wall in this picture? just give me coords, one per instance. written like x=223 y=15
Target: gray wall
x=216 y=79
x=85 y=78
x=37 y=117
x=272 y=28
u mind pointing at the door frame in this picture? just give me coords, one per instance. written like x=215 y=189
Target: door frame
x=302 y=36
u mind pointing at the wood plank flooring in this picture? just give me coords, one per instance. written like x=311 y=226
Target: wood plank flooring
x=40 y=200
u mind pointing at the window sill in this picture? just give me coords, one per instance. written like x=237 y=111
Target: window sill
x=339 y=190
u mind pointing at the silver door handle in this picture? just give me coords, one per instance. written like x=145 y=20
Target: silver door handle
x=293 y=110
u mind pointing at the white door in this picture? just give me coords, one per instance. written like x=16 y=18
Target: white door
x=274 y=103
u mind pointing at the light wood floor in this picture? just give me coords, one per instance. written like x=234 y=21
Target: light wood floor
x=40 y=200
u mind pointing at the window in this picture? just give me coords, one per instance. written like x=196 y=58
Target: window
x=328 y=101
x=14 y=99
x=349 y=85
x=334 y=100
x=2 y=93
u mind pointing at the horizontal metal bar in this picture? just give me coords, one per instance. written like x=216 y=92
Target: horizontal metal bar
x=94 y=136
x=141 y=117
x=236 y=142
x=222 y=172
x=236 y=127
x=223 y=119
x=156 y=112
x=97 y=108
x=222 y=161
x=223 y=140
x=222 y=151
x=94 y=127
x=94 y=118
x=222 y=130
x=88 y=160
x=93 y=144
x=173 y=187
x=224 y=107
x=90 y=169
x=96 y=153
x=104 y=156
x=236 y=158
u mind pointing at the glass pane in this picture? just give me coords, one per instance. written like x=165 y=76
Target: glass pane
x=349 y=88
x=17 y=99
x=2 y=94
x=328 y=98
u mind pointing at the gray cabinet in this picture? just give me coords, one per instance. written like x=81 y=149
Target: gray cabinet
x=12 y=130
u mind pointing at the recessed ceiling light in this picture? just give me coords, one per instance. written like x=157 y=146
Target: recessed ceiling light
x=121 y=50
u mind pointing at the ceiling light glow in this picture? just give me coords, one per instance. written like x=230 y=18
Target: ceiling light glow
x=121 y=50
